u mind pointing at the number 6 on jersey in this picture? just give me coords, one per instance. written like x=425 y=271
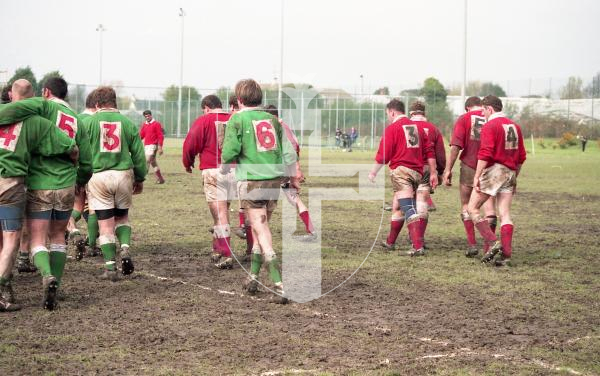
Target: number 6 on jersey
x=266 y=139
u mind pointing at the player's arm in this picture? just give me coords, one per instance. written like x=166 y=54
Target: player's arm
x=440 y=153
x=21 y=110
x=290 y=156
x=84 y=168
x=49 y=141
x=457 y=142
x=232 y=142
x=136 y=148
x=384 y=152
x=429 y=154
x=192 y=146
x=161 y=137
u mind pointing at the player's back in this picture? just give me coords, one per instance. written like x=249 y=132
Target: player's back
x=467 y=135
x=502 y=142
x=403 y=144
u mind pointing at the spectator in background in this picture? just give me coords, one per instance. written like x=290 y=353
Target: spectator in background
x=584 y=141
x=353 y=137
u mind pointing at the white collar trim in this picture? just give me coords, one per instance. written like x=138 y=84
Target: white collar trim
x=496 y=115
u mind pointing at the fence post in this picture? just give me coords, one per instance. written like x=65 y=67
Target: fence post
x=302 y=117
x=189 y=108
x=372 y=121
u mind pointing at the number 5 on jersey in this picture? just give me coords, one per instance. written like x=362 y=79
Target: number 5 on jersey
x=266 y=139
x=67 y=124
x=110 y=137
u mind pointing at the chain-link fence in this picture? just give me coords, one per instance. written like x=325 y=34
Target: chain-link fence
x=544 y=108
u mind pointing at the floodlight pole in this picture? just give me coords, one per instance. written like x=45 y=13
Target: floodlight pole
x=100 y=29
x=464 y=78
x=182 y=15
x=279 y=89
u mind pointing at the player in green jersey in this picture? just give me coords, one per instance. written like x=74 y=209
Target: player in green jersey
x=255 y=140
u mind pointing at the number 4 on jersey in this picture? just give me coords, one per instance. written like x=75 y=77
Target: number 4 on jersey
x=511 y=137
x=9 y=136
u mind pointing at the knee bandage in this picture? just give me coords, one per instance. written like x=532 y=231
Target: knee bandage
x=407 y=205
x=106 y=239
x=222 y=231
x=58 y=248
x=465 y=216
x=270 y=255
x=397 y=219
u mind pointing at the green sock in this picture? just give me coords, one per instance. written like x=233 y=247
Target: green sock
x=76 y=215
x=4 y=281
x=58 y=259
x=109 y=251
x=123 y=233
x=41 y=260
x=255 y=264
x=274 y=270
x=93 y=229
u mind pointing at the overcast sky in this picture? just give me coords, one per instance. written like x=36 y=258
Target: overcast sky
x=328 y=43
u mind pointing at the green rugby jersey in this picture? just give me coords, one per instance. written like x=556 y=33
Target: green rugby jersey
x=59 y=171
x=255 y=140
x=116 y=144
x=32 y=135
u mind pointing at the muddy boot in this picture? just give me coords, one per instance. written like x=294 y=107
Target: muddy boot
x=250 y=285
x=417 y=252
x=7 y=299
x=471 y=252
x=227 y=263
x=110 y=275
x=126 y=262
x=215 y=257
x=50 y=288
x=79 y=242
x=240 y=232
x=489 y=256
x=279 y=296
x=387 y=247
x=502 y=261
x=24 y=265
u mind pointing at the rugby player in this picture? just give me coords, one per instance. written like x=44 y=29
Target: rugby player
x=152 y=134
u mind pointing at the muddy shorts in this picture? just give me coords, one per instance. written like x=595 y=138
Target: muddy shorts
x=50 y=204
x=424 y=185
x=497 y=179
x=403 y=178
x=467 y=174
x=219 y=186
x=12 y=203
x=256 y=194
x=150 y=151
x=110 y=189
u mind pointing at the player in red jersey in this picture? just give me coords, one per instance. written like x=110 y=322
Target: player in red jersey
x=466 y=140
x=205 y=139
x=404 y=146
x=152 y=134
x=292 y=194
x=499 y=162
x=417 y=115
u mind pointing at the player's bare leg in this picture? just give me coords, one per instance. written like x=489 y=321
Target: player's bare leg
x=465 y=195
x=39 y=232
x=423 y=197
x=407 y=203
x=10 y=244
x=475 y=203
x=24 y=264
x=74 y=234
x=506 y=227
x=107 y=241
x=489 y=208
x=151 y=161
x=396 y=223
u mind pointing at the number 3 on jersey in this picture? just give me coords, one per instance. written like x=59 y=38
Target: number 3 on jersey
x=511 y=137
x=266 y=139
x=67 y=124
x=411 y=133
x=110 y=137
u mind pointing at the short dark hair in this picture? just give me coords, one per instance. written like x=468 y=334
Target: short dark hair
x=58 y=86
x=233 y=102
x=211 y=101
x=396 y=104
x=91 y=101
x=106 y=97
x=472 y=102
x=492 y=101
x=272 y=109
x=249 y=92
x=4 y=97
x=147 y=112
x=417 y=106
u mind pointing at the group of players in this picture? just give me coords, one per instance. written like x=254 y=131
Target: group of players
x=491 y=152
x=55 y=164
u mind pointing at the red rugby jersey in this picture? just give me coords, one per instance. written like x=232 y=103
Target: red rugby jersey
x=152 y=133
x=404 y=143
x=291 y=137
x=502 y=142
x=437 y=141
x=205 y=138
x=467 y=134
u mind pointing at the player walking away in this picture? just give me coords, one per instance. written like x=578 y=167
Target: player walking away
x=243 y=231
x=81 y=207
x=417 y=115
x=404 y=146
x=499 y=161
x=256 y=141
x=466 y=139
x=37 y=135
x=205 y=139
x=119 y=172
x=152 y=134
x=292 y=194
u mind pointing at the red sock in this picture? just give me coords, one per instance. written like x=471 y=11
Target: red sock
x=486 y=231
x=249 y=240
x=470 y=230
x=506 y=233
x=424 y=223
x=308 y=226
x=242 y=218
x=493 y=220
x=395 y=228
x=215 y=246
x=414 y=230
x=224 y=245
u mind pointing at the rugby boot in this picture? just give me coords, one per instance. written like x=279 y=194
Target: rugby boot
x=502 y=261
x=126 y=262
x=24 y=265
x=227 y=263
x=278 y=296
x=110 y=275
x=386 y=246
x=240 y=232
x=7 y=299
x=50 y=288
x=417 y=252
x=472 y=251
x=250 y=285
x=494 y=249
x=215 y=257
x=79 y=242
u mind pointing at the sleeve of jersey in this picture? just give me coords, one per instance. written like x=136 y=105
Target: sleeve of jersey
x=458 y=133
x=136 y=149
x=290 y=157
x=384 y=153
x=428 y=151
x=84 y=168
x=21 y=110
x=440 y=153
x=522 y=152
x=232 y=143
x=159 y=134
x=143 y=131
x=191 y=145
x=486 y=150
x=53 y=141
